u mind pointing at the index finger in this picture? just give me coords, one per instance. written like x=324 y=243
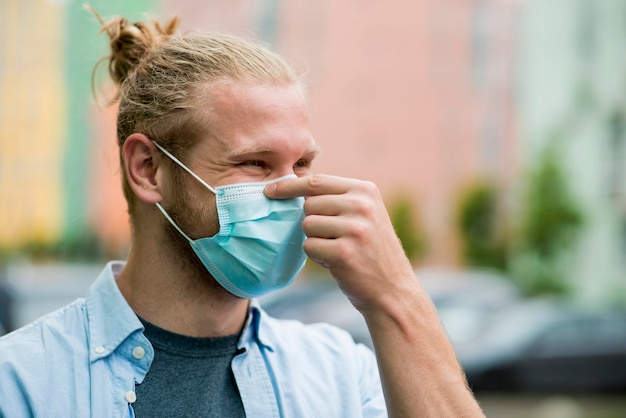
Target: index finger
x=314 y=185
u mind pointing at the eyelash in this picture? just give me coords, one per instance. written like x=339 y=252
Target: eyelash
x=255 y=163
x=258 y=163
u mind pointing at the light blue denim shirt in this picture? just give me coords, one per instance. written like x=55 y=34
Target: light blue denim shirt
x=84 y=360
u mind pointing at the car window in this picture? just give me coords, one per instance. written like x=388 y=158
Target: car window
x=607 y=331
x=564 y=335
x=576 y=335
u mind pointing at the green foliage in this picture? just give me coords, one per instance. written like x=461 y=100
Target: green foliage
x=5 y=256
x=78 y=247
x=536 y=275
x=550 y=223
x=478 y=224
x=407 y=228
x=551 y=218
x=536 y=252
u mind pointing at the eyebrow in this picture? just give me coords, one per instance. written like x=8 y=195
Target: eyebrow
x=245 y=153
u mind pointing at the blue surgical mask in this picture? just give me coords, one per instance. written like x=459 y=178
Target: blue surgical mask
x=258 y=248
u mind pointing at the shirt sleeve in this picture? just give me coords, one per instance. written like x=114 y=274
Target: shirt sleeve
x=15 y=396
x=372 y=397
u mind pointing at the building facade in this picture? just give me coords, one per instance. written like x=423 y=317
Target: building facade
x=415 y=97
x=572 y=91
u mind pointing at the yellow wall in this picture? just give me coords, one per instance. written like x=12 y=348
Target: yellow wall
x=32 y=121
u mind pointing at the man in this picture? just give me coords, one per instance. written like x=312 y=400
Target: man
x=217 y=159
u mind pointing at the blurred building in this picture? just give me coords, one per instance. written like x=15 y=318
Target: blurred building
x=415 y=97
x=423 y=98
x=48 y=159
x=572 y=90
x=33 y=124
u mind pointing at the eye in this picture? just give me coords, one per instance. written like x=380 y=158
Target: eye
x=302 y=164
x=253 y=163
x=303 y=167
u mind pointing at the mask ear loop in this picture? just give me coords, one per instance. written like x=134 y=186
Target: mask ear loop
x=184 y=167
x=169 y=218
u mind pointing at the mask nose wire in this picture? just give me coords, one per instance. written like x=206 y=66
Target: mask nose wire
x=184 y=167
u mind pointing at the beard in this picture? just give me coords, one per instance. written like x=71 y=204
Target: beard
x=197 y=217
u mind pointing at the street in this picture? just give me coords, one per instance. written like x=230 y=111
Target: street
x=553 y=406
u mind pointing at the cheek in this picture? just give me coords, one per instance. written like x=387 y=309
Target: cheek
x=208 y=221
x=202 y=216
x=197 y=215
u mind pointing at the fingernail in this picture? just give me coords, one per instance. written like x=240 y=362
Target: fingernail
x=270 y=188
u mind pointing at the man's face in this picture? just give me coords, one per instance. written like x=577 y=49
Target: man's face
x=255 y=133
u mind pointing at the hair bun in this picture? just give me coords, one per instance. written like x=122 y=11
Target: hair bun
x=129 y=42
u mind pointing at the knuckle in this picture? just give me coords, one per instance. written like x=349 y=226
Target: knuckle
x=316 y=181
x=344 y=250
x=363 y=206
x=359 y=230
x=370 y=187
x=367 y=209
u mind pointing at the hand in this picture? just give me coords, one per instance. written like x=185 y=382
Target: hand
x=350 y=233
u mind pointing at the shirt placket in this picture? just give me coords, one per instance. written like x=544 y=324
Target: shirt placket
x=254 y=383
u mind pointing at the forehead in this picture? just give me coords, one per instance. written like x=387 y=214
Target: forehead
x=240 y=99
x=247 y=115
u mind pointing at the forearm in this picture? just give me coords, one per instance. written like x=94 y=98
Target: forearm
x=350 y=233
x=420 y=374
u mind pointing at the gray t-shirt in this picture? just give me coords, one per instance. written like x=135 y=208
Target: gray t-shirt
x=189 y=377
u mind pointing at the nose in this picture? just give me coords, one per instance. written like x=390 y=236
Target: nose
x=283 y=172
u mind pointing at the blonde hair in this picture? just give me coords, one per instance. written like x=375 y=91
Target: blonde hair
x=163 y=78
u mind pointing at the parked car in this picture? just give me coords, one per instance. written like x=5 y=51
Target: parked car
x=465 y=301
x=28 y=291
x=318 y=300
x=548 y=345
x=6 y=304
x=479 y=288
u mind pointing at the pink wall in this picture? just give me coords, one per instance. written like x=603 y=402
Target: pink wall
x=393 y=98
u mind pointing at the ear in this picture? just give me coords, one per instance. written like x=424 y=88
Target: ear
x=140 y=164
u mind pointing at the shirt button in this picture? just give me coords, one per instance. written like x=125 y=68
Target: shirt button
x=131 y=396
x=138 y=353
x=99 y=350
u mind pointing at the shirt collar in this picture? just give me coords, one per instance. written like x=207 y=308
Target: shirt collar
x=111 y=320
x=255 y=328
